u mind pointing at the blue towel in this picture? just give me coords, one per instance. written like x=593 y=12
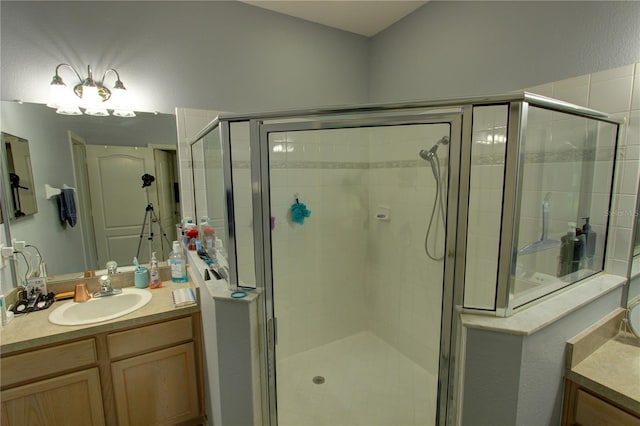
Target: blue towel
x=67 y=203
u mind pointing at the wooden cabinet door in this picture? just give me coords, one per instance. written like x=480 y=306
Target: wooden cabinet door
x=158 y=388
x=593 y=411
x=71 y=399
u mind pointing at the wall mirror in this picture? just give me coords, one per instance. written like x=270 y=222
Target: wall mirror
x=70 y=152
x=19 y=176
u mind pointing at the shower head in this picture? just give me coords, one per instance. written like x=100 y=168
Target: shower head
x=428 y=154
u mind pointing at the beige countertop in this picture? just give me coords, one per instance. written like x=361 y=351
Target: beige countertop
x=31 y=330
x=532 y=319
x=607 y=362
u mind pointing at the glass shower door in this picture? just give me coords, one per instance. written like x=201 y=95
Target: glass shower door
x=354 y=221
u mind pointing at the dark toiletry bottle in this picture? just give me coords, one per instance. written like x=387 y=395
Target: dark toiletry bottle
x=579 y=254
x=590 y=236
x=570 y=251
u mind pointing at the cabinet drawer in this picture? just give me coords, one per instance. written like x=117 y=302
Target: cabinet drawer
x=150 y=337
x=43 y=362
x=591 y=410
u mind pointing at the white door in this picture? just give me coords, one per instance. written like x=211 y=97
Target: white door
x=120 y=204
x=85 y=215
x=165 y=210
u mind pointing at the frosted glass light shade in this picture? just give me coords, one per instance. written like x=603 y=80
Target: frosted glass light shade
x=92 y=102
x=97 y=111
x=63 y=99
x=119 y=102
x=90 y=96
x=58 y=93
x=68 y=110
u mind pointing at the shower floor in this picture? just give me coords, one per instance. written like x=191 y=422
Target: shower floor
x=367 y=382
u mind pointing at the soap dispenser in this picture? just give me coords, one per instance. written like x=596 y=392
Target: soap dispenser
x=154 y=273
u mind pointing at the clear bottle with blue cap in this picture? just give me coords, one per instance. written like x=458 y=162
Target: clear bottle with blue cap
x=178 y=264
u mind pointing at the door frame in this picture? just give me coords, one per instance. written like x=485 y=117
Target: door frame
x=259 y=137
x=81 y=182
x=166 y=251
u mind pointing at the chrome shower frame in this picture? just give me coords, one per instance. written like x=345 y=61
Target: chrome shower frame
x=459 y=114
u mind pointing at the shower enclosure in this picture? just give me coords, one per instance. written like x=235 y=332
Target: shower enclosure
x=366 y=227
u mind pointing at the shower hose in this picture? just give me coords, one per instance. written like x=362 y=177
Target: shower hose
x=437 y=202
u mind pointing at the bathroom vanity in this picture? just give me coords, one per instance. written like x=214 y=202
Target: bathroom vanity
x=142 y=368
x=602 y=378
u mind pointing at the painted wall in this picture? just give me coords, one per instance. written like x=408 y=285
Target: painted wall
x=248 y=51
x=449 y=49
x=518 y=380
x=244 y=58
x=219 y=55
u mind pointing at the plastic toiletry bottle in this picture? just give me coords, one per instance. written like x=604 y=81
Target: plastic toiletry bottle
x=590 y=235
x=204 y=222
x=569 y=249
x=579 y=254
x=155 y=274
x=192 y=236
x=209 y=240
x=188 y=225
x=178 y=265
x=220 y=250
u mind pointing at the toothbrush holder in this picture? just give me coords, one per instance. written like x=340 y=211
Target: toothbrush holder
x=141 y=278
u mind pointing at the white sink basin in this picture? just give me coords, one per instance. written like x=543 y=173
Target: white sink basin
x=101 y=308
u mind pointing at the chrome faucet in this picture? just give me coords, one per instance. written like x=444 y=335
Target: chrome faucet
x=105 y=287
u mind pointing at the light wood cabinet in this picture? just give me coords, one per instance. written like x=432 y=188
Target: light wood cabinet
x=70 y=399
x=40 y=386
x=154 y=371
x=158 y=388
x=146 y=375
x=583 y=408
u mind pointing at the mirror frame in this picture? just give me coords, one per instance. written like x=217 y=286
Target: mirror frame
x=633 y=313
x=7 y=228
x=11 y=213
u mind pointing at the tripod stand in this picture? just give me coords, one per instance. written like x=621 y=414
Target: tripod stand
x=150 y=215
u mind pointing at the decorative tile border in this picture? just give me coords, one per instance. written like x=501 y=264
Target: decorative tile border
x=545 y=157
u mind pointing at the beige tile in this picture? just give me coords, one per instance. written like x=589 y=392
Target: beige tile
x=635 y=97
x=542 y=89
x=611 y=95
x=573 y=90
x=612 y=74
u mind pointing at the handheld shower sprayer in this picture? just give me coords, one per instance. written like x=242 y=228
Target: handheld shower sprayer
x=438 y=204
x=428 y=154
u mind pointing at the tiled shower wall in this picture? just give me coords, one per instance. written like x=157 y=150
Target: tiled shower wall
x=319 y=266
x=344 y=271
x=485 y=202
x=405 y=286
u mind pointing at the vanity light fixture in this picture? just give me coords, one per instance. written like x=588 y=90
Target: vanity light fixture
x=89 y=96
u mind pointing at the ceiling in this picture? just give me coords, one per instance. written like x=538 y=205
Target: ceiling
x=362 y=17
